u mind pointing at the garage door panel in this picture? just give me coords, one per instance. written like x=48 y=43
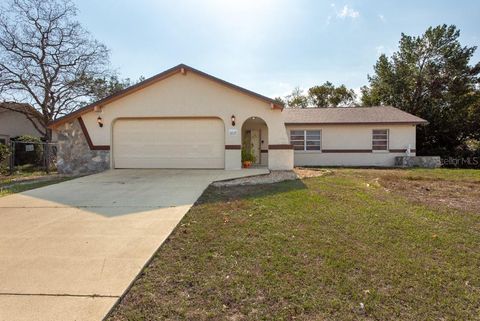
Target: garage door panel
x=168 y=143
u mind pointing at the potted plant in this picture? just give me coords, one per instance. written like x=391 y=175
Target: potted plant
x=247 y=157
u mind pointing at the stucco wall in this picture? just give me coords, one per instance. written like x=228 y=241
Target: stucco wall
x=14 y=124
x=342 y=138
x=191 y=95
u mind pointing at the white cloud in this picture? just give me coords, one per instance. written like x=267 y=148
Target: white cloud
x=329 y=19
x=381 y=17
x=380 y=49
x=348 y=12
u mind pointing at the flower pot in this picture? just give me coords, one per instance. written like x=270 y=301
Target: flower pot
x=247 y=164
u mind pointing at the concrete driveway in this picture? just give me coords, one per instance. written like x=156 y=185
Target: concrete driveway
x=68 y=251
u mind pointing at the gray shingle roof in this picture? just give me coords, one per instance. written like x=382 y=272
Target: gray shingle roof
x=350 y=115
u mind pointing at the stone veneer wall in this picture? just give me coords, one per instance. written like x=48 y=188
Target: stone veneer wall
x=74 y=156
x=418 y=161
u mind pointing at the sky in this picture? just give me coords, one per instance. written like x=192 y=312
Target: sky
x=268 y=46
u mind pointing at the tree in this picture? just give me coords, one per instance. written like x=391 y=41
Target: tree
x=280 y=101
x=99 y=88
x=431 y=77
x=297 y=99
x=327 y=95
x=46 y=56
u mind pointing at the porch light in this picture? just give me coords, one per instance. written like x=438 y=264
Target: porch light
x=100 y=121
x=233 y=120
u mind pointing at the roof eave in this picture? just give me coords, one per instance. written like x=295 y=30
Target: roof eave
x=360 y=123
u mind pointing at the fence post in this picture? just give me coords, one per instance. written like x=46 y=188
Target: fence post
x=12 y=157
x=47 y=157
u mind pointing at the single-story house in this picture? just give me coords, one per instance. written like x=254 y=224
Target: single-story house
x=185 y=118
x=14 y=122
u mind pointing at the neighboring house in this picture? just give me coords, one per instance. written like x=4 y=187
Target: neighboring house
x=13 y=123
x=184 y=118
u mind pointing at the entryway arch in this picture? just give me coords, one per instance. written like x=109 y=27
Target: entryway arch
x=255 y=140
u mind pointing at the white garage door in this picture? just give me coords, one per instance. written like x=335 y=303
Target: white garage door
x=169 y=143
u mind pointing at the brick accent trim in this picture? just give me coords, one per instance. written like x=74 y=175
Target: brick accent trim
x=281 y=146
x=233 y=147
x=346 y=150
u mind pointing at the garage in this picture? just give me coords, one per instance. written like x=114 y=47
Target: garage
x=169 y=143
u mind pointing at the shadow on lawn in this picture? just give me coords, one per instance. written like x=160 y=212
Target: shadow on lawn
x=234 y=193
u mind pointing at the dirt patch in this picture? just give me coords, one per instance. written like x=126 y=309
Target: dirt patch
x=464 y=196
x=303 y=172
x=274 y=177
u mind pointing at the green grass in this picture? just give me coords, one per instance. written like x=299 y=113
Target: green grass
x=22 y=187
x=315 y=249
x=21 y=172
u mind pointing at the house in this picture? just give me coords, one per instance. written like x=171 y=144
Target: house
x=185 y=118
x=15 y=123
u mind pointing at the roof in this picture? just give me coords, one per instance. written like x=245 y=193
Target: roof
x=19 y=107
x=149 y=81
x=350 y=115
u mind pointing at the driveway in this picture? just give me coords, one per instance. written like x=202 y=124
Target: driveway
x=68 y=251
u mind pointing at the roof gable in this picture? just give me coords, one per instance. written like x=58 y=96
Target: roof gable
x=182 y=68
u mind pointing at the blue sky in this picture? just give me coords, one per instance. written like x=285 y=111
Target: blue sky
x=268 y=46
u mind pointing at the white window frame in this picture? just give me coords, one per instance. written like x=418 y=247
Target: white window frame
x=386 y=150
x=305 y=150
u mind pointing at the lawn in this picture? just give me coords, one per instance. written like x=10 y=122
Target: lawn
x=22 y=187
x=350 y=245
x=26 y=178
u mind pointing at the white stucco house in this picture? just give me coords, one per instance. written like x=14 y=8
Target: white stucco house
x=14 y=123
x=185 y=118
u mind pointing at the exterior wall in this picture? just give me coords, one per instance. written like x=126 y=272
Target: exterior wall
x=280 y=159
x=337 y=140
x=74 y=155
x=14 y=124
x=191 y=95
x=232 y=156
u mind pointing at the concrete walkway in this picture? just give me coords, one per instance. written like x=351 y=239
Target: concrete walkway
x=68 y=251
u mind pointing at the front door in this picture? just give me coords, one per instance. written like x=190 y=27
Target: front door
x=255 y=141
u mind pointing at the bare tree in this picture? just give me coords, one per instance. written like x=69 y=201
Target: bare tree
x=45 y=58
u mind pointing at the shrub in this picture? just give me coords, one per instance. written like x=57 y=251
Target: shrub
x=4 y=153
x=247 y=155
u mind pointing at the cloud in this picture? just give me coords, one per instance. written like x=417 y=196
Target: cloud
x=380 y=49
x=381 y=17
x=348 y=12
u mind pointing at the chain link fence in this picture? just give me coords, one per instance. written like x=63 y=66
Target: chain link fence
x=37 y=155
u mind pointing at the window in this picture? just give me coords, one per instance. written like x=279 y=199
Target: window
x=306 y=140
x=380 y=139
x=297 y=139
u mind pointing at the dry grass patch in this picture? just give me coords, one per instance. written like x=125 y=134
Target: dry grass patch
x=439 y=188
